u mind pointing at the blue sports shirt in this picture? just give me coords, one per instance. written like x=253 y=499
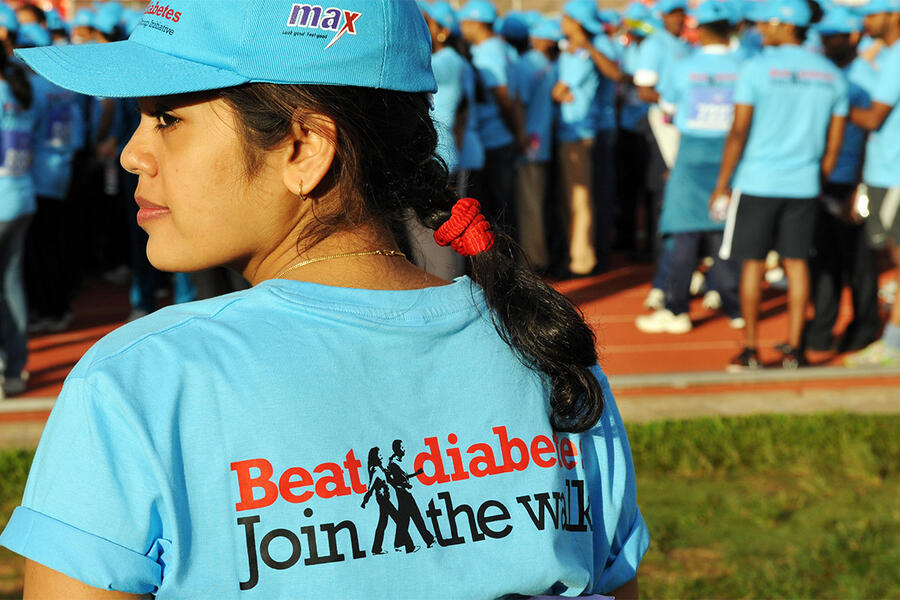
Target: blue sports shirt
x=448 y=66
x=794 y=93
x=633 y=108
x=657 y=53
x=340 y=442
x=16 y=153
x=882 y=168
x=471 y=156
x=59 y=131
x=860 y=77
x=535 y=77
x=491 y=59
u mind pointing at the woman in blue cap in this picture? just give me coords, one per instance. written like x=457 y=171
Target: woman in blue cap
x=218 y=448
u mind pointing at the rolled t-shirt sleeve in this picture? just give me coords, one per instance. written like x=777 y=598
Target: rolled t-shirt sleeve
x=90 y=508
x=622 y=540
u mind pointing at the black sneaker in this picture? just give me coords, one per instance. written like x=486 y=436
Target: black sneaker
x=746 y=360
x=794 y=358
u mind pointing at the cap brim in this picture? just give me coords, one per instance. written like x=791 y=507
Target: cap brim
x=124 y=70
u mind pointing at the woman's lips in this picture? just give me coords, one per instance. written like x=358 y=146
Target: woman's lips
x=149 y=211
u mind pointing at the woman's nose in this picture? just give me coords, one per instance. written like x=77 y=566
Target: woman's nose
x=137 y=156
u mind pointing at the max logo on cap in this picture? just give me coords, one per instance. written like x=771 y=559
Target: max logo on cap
x=331 y=19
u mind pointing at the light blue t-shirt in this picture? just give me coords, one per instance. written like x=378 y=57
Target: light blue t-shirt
x=535 y=77
x=491 y=59
x=701 y=89
x=633 y=108
x=603 y=113
x=471 y=156
x=287 y=439
x=794 y=93
x=657 y=53
x=448 y=66
x=882 y=168
x=860 y=76
x=16 y=154
x=578 y=72
x=59 y=131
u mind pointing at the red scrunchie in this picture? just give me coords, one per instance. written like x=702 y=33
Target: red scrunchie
x=466 y=231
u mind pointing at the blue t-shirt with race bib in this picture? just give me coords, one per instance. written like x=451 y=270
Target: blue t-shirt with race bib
x=303 y=439
x=448 y=66
x=491 y=59
x=701 y=88
x=16 y=155
x=535 y=77
x=794 y=93
x=860 y=76
x=882 y=168
x=59 y=132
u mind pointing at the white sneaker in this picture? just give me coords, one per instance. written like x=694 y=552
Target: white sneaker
x=664 y=321
x=13 y=386
x=655 y=300
x=737 y=323
x=777 y=278
x=698 y=283
x=712 y=300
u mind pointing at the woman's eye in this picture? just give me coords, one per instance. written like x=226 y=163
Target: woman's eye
x=166 y=121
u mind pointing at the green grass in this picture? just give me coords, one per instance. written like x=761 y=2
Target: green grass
x=750 y=507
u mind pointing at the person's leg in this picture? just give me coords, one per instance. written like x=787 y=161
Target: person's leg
x=531 y=179
x=795 y=235
x=14 y=312
x=724 y=276
x=604 y=195
x=751 y=293
x=863 y=277
x=499 y=187
x=582 y=257
x=826 y=282
x=797 y=271
x=681 y=263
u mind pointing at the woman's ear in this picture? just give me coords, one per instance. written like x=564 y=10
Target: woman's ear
x=309 y=153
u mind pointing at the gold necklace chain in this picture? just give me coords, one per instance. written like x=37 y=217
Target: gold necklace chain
x=310 y=261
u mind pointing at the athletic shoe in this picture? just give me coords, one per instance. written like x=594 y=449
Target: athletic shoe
x=655 y=300
x=777 y=278
x=664 y=321
x=877 y=354
x=712 y=300
x=737 y=323
x=747 y=360
x=13 y=386
x=888 y=292
x=698 y=283
x=794 y=358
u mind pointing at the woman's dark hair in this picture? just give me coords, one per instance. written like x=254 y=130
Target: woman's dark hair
x=720 y=29
x=385 y=168
x=18 y=81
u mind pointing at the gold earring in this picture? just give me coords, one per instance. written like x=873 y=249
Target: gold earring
x=442 y=37
x=303 y=196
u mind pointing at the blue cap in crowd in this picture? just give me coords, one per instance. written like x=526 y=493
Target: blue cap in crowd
x=207 y=45
x=639 y=19
x=8 y=18
x=482 y=11
x=794 y=12
x=83 y=18
x=838 y=20
x=55 y=22
x=512 y=26
x=106 y=21
x=611 y=17
x=667 y=6
x=585 y=13
x=874 y=7
x=443 y=14
x=714 y=10
x=547 y=29
x=32 y=35
x=532 y=17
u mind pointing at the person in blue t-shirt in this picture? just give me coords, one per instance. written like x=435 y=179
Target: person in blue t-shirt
x=661 y=49
x=587 y=72
x=842 y=253
x=881 y=175
x=16 y=209
x=535 y=75
x=790 y=109
x=499 y=114
x=218 y=449
x=699 y=91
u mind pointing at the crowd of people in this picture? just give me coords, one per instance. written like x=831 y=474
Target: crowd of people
x=717 y=140
x=738 y=135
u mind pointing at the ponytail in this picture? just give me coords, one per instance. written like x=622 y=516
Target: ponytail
x=385 y=168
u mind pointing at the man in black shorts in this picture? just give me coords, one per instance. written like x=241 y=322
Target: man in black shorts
x=797 y=104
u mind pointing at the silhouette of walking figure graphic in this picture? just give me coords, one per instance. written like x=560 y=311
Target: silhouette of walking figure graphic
x=378 y=485
x=407 y=508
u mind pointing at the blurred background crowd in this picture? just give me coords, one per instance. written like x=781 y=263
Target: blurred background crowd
x=729 y=142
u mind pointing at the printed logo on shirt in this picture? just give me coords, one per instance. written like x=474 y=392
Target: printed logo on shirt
x=411 y=496
x=312 y=17
x=802 y=77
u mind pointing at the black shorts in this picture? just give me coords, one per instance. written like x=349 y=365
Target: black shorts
x=883 y=222
x=759 y=224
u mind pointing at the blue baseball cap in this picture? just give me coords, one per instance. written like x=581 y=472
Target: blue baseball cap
x=584 y=12
x=55 y=22
x=611 y=17
x=667 y=6
x=8 y=18
x=443 y=14
x=512 y=26
x=712 y=11
x=83 y=18
x=794 y=12
x=639 y=19
x=532 y=17
x=547 y=29
x=874 y=7
x=195 y=45
x=482 y=11
x=839 y=20
x=106 y=21
x=32 y=35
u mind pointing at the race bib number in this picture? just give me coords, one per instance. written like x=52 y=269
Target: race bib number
x=712 y=109
x=15 y=149
x=59 y=126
